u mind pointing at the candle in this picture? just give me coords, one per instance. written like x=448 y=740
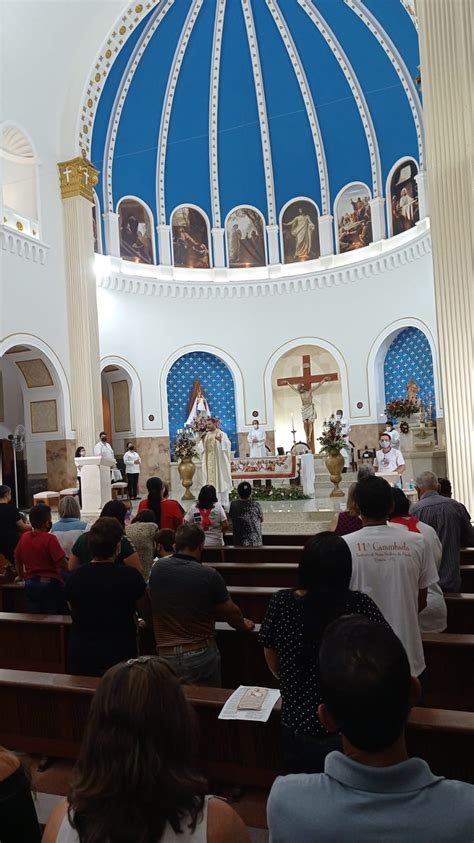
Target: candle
x=292 y=422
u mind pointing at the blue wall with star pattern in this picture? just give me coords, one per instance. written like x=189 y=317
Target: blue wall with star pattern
x=218 y=387
x=409 y=356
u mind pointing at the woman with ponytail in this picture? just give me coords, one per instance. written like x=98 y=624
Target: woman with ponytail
x=291 y=634
x=169 y=514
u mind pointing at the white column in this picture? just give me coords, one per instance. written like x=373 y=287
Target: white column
x=112 y=236
x=377 y=213
x=95 y=483
x=445 y=30
x=326 y=235
x=164 y=244
x=423 y=200
x=77 y=178
x=273 y=233
x=218 y=246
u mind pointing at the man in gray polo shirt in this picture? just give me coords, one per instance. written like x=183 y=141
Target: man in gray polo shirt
x=187 y=599
x=373 y=792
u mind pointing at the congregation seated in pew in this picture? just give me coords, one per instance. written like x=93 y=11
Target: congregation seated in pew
x=104 y=598
x=186 y=600
x=372 y=790
x=137 y=777
x=291 y=634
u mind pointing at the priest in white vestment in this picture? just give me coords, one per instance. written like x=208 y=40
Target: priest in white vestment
x=256 y=440
x=216 y=447
x=301 y=228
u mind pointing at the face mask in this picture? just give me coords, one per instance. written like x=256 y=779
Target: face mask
x=384 y=444
x=130 y=447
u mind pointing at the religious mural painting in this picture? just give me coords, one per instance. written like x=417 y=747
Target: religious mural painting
x=300 y=233
x=245 y=239
x=190 y=239
x=404 y=197
x=354 y=221
x=135 y=232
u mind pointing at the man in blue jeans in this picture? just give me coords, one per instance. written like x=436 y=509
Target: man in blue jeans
x=187 y=599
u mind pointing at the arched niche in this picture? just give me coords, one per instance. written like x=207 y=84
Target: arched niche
x=408 y=355
x=245 y=234
x=190 y=238
x=217 y=385
x=287 y=403
x=97 y=225
x=136 y=237
x=117 y=405
x=299 y=227
x=20 y=187
x=32 y=396
x=353 y=217
x=402 y=196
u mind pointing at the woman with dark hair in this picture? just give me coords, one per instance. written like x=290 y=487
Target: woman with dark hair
x=168 y=513
x=210 y=515
x=136 y=777
x=246 y=516
x=81 y=554
x=80 y=452
x=349 y=521
x=12 y=525
x=291 y=634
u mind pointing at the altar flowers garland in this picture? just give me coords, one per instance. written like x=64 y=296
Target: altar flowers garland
x=199 y=424
x=401 y=408
x=185 y=445
x=332 y=440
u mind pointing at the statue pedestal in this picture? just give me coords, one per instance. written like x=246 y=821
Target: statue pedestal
x=95 y=483
x=418 y=437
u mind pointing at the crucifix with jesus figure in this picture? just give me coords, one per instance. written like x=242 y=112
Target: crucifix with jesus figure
x=304 y=387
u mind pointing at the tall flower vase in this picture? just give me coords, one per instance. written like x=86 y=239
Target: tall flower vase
x=187 y=470
x=335 y=464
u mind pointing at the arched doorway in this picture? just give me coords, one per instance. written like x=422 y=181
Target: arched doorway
x=117 y=406
x=408 y=355
x=32 y=407
x=287 y=403
x=217 y=386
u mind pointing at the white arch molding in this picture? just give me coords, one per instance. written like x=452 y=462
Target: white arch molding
x=336 y=203
x=289 y=346
x=388 y=192
x=58 y=373
x=136 y=389
x=232 y=365
x=150 y=220
x=208 y=229
x=22 y=151
x=376 y=359
x=280 y=220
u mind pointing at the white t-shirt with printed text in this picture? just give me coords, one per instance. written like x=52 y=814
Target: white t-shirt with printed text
x=389 y=462
x=391 y=567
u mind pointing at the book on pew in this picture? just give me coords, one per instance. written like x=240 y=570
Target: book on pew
x=231 y=710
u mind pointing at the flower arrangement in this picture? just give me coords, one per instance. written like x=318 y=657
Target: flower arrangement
x=199 y=424
x=185 y=445
x=332 y=440
x=276 y=493
x=401 y=408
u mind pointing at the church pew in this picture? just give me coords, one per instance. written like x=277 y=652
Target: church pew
x=467 y=579
x=275 y=554
x=460 y=613
x=253 y=601
x=258 y=573
x=293 y=539
x=45 y=714
x=34 y=642
x=467 y=555
x=12 y=597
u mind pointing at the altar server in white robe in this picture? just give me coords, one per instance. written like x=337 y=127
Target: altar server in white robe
x=256 y=440
x=345 y=430
x=104 y=449
x=215 y=447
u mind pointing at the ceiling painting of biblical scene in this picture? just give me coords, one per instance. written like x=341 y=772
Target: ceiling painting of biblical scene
x=245 y=239
x=190 y=238
x=299 y=231
x=404 y=197
x=354 y=223
x=135 y=232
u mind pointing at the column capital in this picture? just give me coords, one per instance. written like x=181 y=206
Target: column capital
x=77 y=177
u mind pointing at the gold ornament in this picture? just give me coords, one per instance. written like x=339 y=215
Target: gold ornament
x=90 y=103
x=123 y=30
x=108 y=53
x=97 y=77
x=139 y=8
x=78 y=177
x=19 y=226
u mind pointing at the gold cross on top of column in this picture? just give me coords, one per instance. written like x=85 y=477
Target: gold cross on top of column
x=78 y=177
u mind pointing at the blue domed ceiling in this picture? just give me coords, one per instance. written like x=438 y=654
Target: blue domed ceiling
x=226 y=103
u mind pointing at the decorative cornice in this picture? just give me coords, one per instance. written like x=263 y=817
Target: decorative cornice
x=111 y=273
x=23 y=245
x=78 y=177
x=121 y=96
x=374 y=26
x=307 y=99
x=262 y=110
x=356 y=90
x=168 y=104
x=104 y=61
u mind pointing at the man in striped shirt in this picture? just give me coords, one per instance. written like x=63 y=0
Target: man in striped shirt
x=452 y=523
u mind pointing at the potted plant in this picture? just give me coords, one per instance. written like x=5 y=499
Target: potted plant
x=332 y=443
x=185 y=451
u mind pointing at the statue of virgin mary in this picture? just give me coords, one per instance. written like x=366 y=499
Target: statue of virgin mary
x=197 y=405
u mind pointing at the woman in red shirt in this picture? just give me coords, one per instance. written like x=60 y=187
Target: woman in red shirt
x=40 y=561
x=169 y=514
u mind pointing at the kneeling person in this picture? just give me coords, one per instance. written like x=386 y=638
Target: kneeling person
x=187 y=599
